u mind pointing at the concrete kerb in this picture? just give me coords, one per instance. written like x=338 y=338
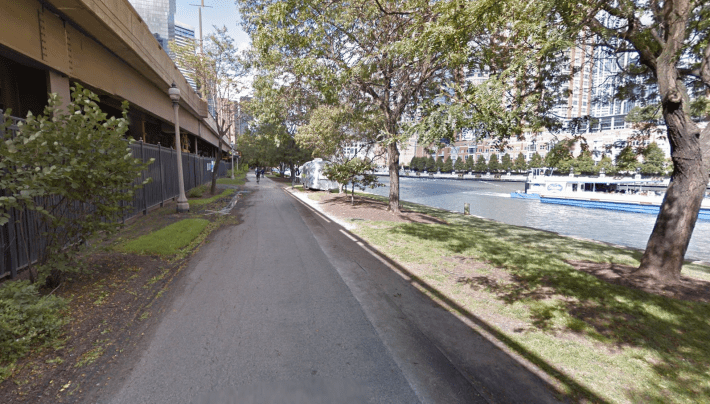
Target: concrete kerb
x=317 y=206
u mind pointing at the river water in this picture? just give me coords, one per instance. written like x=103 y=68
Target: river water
x=491 y=199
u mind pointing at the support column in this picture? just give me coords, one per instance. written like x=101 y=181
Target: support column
x=59 y=84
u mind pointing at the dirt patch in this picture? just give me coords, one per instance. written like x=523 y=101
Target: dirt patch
x=341 y=206
x=688 y=288
x=113 y=306
x=499 y=281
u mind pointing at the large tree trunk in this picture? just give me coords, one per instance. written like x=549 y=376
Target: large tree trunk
x=690 y=150
x=393 y=160
x=665 y=251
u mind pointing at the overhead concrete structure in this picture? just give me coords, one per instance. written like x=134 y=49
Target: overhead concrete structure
x=160 y=17
x=105 y=46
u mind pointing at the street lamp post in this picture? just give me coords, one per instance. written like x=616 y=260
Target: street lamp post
x=232 y=160
x=182 y=204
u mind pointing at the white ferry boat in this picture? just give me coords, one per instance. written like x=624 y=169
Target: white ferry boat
x=624 y=194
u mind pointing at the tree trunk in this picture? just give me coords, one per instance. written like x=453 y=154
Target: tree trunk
x=663 y=259
x=393 y=161
x=215 y=170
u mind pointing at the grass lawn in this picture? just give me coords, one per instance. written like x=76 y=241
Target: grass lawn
x=200 y=202
x=167 y=241
x=600 y=341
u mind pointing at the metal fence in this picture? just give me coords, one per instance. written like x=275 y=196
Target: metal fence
x=21 y=240
x=196 y=171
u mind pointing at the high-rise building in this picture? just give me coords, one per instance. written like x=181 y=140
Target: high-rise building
x=159 y=15
x=185 y=36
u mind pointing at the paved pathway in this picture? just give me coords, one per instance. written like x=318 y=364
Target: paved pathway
x=287 y=308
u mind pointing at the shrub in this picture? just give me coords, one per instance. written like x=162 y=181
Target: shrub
x=27 y=320
x=196 y=192
x=73 y=166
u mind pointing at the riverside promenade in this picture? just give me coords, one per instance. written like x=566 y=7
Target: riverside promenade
x=287 y=306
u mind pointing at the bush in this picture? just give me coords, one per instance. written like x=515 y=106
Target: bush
x=196 y=192
x=74 y=167
x=27 y=320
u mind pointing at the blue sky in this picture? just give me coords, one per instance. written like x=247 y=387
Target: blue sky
x=221 y=13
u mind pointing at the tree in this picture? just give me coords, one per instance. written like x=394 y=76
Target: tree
x=520 y=61
x=459 y=165
x=627 y=160
x=257 y=150
x=470 y=163
x=520 y=165
x=217 y=72
x=669 y=41
x=414 y=164
x=278 y=109
x=645 y=120
x=340 y=135
x=481 y=165
x=439 y=163
x=356 y=172
x=560 y=156
x=607 y=165
x=536 y=161
x=447 y=167
x=506 y=163
x=654 y=160
x=584 y=164
x=389 y=54
x=72 y=166
x=430 y=164
x=493 y=163
x=423 y=161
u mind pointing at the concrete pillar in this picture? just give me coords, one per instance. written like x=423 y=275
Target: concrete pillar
x=143 y=129
x=59 y=84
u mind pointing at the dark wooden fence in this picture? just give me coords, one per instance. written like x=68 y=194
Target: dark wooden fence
x=162 y=188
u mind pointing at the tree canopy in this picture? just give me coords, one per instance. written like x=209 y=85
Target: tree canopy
x=217 y=71
x=410 y=59
x=669 y=45
x=387 y=54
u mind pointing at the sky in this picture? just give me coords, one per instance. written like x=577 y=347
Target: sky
x=216 y=12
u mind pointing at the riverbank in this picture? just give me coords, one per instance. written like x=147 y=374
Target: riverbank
x=566 y=307
x=491 y=199
x=505 y=177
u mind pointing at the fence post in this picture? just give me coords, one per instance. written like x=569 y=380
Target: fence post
x=145 y=198
x=162 y=180
x=195 y=163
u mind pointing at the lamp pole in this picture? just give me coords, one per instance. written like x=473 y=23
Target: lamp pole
x=182 y=205
x=232 y=160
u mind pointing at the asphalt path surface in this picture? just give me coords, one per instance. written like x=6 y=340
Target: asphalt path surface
x=287 y=307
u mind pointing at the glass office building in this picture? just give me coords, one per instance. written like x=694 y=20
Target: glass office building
x=185 y=36
x=160 y=17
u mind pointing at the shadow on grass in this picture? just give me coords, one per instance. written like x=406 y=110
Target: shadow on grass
x=575 y=390
x=676 y=331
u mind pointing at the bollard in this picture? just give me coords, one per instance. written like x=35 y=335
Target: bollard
x=466 y=209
